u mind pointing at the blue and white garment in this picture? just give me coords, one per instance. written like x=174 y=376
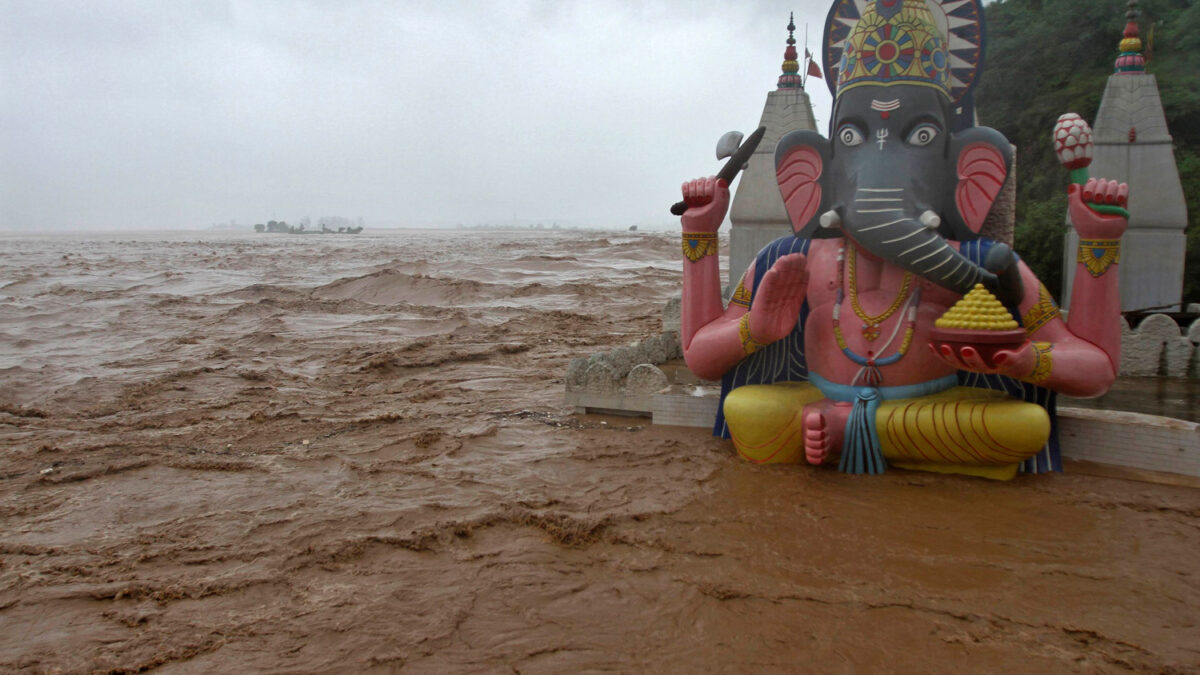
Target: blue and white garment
x=784 y=360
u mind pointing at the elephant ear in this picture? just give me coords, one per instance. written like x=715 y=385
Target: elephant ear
x=800 y=159
x=984 y=159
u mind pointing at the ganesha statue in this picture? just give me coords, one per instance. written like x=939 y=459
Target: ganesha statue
x=887 y=331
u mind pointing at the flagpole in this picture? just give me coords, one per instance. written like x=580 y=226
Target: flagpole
x=807 y=58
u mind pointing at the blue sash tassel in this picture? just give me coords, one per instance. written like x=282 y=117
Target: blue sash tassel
x=861 y=452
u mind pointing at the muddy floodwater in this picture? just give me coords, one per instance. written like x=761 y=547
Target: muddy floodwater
x=229 y=453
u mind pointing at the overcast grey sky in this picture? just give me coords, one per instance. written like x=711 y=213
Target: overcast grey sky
x=167 y=114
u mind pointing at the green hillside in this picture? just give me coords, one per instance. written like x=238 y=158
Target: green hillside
x=1047 y=57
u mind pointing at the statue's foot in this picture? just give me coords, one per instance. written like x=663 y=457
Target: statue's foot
x=824 y=429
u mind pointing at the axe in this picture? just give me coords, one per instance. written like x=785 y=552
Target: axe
x=730 y=145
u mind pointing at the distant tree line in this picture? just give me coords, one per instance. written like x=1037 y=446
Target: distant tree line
x=326 y=225
x=276 y=226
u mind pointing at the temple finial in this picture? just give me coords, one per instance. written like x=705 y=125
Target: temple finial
x=790 y=79
x=1131 y=59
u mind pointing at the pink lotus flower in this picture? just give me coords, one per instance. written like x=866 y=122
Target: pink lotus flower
x=1073 y=141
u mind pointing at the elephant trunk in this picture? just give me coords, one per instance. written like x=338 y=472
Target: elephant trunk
x=913 y=243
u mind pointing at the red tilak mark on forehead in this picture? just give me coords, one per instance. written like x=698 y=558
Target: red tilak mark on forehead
x=885 y=115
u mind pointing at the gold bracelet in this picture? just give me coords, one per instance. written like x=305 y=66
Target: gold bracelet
x=1099 y=254
x=1041 y=313
x=1044 y=365
x=749 y=344
x=696 y=245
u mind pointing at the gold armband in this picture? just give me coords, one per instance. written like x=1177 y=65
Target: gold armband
x=696 y=245
x=1099 y=254
x=1044 y=365
x=1041 y=313
x=749 y=345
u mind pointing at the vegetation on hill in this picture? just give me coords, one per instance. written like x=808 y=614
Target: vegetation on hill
x=1047 y=57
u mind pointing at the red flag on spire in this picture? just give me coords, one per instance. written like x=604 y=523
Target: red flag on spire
x=813 y=69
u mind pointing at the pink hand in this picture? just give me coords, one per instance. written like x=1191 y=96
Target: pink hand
x=707 y=200
x=777 y=301
x=1088 y=223
x=1100 y=191
x=1013 y=363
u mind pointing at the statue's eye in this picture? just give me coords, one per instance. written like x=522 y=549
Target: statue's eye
x=923 y=135
x=850 y=135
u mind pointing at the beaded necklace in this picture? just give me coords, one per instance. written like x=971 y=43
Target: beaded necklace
x=870 y=363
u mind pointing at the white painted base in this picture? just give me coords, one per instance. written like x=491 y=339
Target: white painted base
x=1130 y=439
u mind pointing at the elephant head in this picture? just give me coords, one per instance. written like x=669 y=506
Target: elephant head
x=894 y=177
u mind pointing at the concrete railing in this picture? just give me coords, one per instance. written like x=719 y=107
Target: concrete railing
x=1158 y=346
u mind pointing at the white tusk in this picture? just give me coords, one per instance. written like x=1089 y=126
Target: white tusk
x=830 y=219
x=931 y=220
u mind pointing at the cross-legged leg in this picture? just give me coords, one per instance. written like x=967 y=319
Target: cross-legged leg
x=767 y=421
x=962 y=430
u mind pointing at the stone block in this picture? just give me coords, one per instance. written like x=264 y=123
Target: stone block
x=602 y=378
x=622 y=360
x=652 y=350
x=672 y=312
x=577 y=374
x=1177 y=347
x=1139 y=357
x=1156 y=347
x=645 y=379
x=672 y=346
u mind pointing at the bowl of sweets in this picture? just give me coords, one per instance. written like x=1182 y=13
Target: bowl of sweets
x=979 y=321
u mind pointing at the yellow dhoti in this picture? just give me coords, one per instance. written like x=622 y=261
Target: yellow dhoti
x=960 y=430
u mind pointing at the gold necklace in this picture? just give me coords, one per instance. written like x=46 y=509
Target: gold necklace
x=870 y=329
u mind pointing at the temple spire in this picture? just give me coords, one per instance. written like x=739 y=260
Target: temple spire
x=790 y=79
x=1131 y=59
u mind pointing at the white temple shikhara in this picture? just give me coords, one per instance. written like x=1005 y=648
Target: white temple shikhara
x=1133 y=145
x=757 y=213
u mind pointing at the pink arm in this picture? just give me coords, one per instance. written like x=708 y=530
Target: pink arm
x=714 y=337
x=1063 y=359
x=711 y=343
x=702 y=312
x=1054 y=355
x=1095 y=299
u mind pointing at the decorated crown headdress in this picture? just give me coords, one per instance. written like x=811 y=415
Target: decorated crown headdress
x=933 y=43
